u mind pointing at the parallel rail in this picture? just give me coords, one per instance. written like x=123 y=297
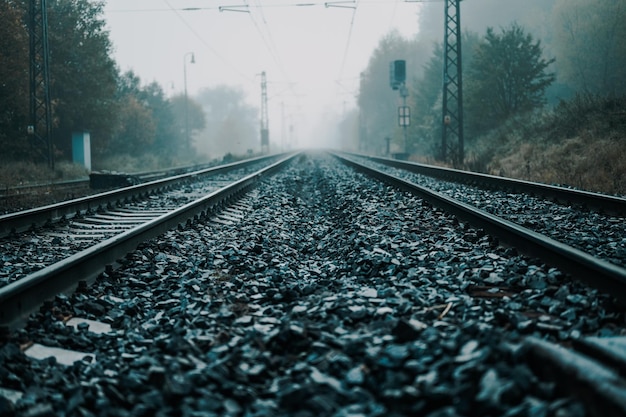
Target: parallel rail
x=22 y=297
x=7 y=192
x=594 y=201
x=37 y=217
x=600 y=387
x=598 y=273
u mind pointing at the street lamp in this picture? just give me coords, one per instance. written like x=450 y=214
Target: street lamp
x=192 y=61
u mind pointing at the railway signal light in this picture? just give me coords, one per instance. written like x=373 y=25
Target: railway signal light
x=397 y=81
x=404 y=116
x=397 y=73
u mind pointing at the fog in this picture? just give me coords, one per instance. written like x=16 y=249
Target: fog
x=477 y=15
x=312 y=55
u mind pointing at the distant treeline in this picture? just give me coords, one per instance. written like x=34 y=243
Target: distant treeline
x=89 y=93
x=520 y=59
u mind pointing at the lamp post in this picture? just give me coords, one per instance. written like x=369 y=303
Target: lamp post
x=192 y=61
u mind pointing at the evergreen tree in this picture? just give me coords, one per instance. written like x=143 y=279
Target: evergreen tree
x=83 y=74
x=14 y=91
x=232 y=125
x=378 y=103
x=508 y=76
x=591 y=45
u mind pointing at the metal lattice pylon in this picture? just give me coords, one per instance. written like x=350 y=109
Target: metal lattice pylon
x=40 y=110
x=452 y=109
x=265 y=132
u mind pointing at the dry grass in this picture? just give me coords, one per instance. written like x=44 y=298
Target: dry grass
x=147 y=163
x=598 y=166
x=581 y=144
x=13 y=174
x=126 y=163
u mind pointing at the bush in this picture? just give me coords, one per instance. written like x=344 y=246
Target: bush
x=14 y=174
x=580 y=143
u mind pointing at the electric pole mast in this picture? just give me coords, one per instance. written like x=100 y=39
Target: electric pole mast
x=40 y=110
x=265 y=132
x=452 y=106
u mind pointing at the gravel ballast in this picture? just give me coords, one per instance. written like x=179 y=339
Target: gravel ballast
x=334 y=296
x=35 y=249
x=599 y=234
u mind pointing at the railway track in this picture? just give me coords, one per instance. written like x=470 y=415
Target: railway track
x=591 y=222
x=18 y=198
x=587 y=244
x=14 y=199
x=334 y=295
x=595 y=201
x=40 y=216
x=87 y=234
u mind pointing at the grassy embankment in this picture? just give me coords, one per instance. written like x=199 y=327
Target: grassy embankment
x=14 y=174
x=580 y=143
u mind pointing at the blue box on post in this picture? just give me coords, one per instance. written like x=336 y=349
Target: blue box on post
x=81 y=149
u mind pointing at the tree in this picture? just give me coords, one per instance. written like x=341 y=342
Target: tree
x=135 y=131
x=590 y=42
x=478 y=15
x=189 y=115
x=148 y=125
x=427 y=94
x=167 y=143
x=13 y=81
x=83 y=74
x=508 y=76
x=232 y=125
x=378 y=103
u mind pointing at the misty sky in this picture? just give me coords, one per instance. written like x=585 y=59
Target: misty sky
x=312 y=54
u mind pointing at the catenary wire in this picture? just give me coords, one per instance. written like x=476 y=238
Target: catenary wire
x=205 y=43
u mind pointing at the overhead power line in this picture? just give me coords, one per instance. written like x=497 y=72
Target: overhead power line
x=269 y=39
x=345 y=53
x=205 y=43
x=244 y=7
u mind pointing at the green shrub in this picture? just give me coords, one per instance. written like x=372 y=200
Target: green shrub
x=579 y=143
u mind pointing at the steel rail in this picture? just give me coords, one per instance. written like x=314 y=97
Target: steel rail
x=20 y=298
x=593 y=371
x=142 y=176
x=595 y=201
x=40 y=216
x=598 y=273
x=18 y=190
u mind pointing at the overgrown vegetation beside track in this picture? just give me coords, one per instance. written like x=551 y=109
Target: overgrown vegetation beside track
x=544 y=96
x=18 y=173
x=580 y=143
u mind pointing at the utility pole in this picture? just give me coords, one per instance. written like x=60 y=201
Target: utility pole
x=265 y=132
x=452 y=108
x=40 y=127
x=283 y=127
x=193 y=61
x=404 y=118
